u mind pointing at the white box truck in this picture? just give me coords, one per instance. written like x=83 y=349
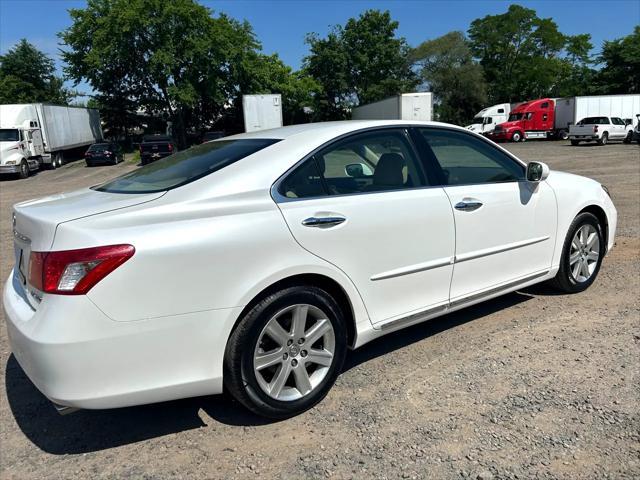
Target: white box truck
x=406 y=106
x=262 y=112
x=36 y=134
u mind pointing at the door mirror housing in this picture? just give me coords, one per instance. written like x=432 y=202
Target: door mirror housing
x=537 y=172
x=358 y=170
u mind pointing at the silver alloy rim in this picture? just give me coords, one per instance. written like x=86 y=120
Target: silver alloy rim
x=294 y=352
x=584 y=254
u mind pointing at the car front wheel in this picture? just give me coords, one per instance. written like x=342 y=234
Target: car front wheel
x=582 y=253
x=286 y=352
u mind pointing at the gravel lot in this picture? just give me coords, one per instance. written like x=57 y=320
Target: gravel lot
x=530 y=385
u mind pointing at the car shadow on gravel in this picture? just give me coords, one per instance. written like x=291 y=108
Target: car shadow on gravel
x=94 y=430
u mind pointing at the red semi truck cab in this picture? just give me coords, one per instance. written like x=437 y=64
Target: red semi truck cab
x=534 y=119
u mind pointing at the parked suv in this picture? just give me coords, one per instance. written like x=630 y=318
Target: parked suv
x=155 y=147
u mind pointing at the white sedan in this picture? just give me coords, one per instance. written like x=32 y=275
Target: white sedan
x=253 y=262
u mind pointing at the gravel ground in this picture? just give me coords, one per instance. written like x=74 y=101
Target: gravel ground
x=530 y=385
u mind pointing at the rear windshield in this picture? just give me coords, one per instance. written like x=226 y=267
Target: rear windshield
x=185 y=166
x=594 y=121
x=156 y=138
x=99 y=147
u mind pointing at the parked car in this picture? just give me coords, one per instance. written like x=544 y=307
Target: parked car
x=600 y=130
x=155 y=147
x=253 y=262
x=635 y=136
x=208 y=136
x=103 y=153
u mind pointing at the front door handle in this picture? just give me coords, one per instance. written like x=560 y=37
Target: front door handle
x=468 y=205
x=323 y=222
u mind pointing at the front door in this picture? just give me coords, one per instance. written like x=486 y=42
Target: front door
x=361 y=204
x=505 y=226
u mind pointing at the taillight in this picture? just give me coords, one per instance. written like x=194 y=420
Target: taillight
x=170 y=148
x=595 y=129
x=75 y=272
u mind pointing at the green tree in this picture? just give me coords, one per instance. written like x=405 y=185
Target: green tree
x=170 y=59
x=447 y=67
x=522 y=55
x=620 y=58
x=27 y=75
x=359 y=63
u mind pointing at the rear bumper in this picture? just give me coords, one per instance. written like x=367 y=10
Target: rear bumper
x=148 y=157
x=78 y=357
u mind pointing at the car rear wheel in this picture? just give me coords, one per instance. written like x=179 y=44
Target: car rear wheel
x=604 y=139
x=286 y=352
x=582 y=253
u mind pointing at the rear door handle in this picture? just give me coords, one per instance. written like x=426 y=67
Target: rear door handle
x=323 y=222
x=468 y=205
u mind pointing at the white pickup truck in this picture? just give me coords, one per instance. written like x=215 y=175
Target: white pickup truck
x=601 y=130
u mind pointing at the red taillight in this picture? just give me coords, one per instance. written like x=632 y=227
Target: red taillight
x=140 y=148
x=170 y=148
x=75 y=272
x=595 y=129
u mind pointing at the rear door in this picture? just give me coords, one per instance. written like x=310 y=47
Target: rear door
x=505 y=226
x=618 y=128
x=363 y=205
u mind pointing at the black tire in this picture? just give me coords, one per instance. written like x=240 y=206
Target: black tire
x=627 y=139
x=575 y=142
x=24 y=169
x=89 y=164
x=563 y=134
x=239 y=376
x=564 y=279
x=604 y=139
x=517 y=137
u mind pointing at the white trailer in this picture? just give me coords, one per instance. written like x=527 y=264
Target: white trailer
x=36 y=134
x=571 y=110
x=406 y=106
x=262 y=112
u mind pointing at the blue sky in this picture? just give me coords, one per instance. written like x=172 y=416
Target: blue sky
x=282 y=25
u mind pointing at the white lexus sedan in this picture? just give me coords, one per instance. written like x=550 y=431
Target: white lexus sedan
x=252 y=263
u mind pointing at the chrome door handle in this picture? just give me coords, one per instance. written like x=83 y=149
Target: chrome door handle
x=468 y=205
x=323 y=222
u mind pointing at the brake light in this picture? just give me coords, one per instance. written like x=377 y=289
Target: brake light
x=170 y=147
x=595 y=129
x=75 y=272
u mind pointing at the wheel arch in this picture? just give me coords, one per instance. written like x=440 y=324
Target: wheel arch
x=328 y=284
x=601 y=215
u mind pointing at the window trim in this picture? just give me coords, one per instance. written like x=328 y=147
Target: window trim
x=402 y=129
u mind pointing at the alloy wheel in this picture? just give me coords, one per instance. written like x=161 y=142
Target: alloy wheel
x=584 y=253
x=294 y=353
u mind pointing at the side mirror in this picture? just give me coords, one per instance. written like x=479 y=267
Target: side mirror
x=537 y=172
x=357 y=170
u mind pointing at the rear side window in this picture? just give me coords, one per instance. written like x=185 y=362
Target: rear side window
x=185 y=166
x=594 y=121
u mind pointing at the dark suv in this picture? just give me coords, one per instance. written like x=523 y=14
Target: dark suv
x=103 y=153
x=154 y=147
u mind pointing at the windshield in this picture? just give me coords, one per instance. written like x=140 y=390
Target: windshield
x=9 y=135
x=479 y=120
x=185 y=166
x=515 y=116
x=594 y=121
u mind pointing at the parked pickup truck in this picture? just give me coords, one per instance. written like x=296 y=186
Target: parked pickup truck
x=600 y=130
x=154 y=147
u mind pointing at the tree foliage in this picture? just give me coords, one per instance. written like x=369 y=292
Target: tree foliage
x=360 y=62
x=620 y=58
x=27 y=75
x=447 y=67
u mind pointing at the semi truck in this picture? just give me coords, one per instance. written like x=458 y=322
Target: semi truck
x=406 y=106
x=547 y=118
x=36 y=135
x=262 y=112
x=485 y=120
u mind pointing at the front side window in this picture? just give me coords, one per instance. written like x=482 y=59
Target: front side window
x=464 y=159
x=367 y=162
x=515 y=116
x=617 y=121
x=185 y=166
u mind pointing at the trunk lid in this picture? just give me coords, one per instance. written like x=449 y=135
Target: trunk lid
x=35 y=223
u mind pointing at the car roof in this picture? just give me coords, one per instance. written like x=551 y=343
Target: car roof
x=331 y=128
